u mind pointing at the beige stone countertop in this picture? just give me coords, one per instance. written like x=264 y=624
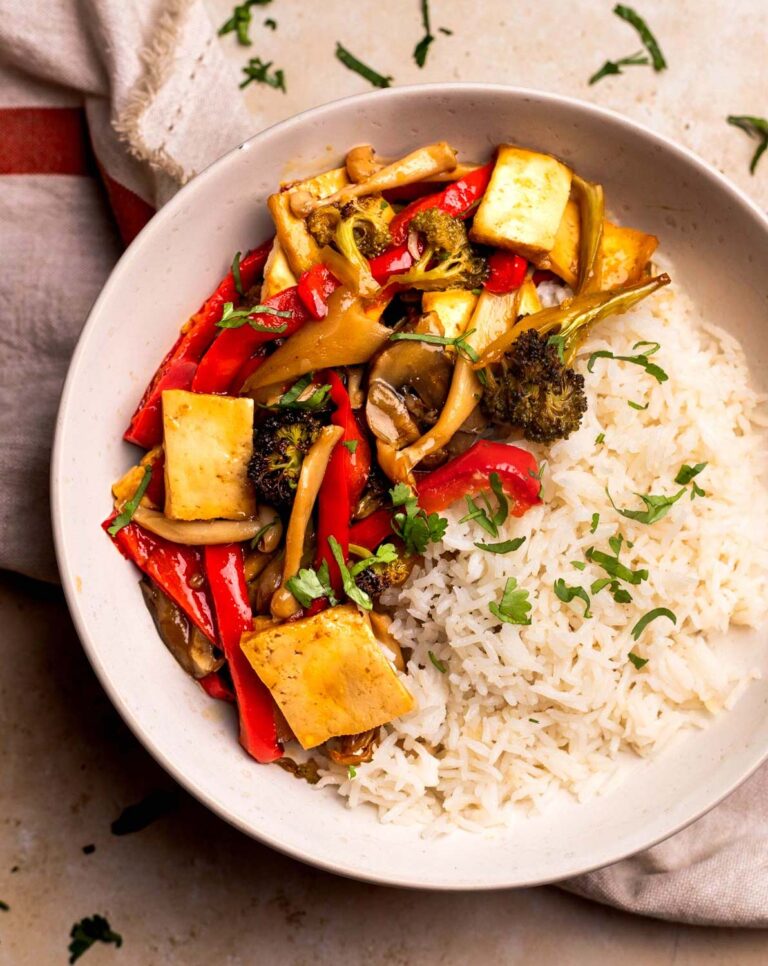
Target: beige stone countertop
x=188 y=889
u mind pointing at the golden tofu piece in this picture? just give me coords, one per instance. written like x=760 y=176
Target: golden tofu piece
x=208 y=442
x=277 y=273
x=563 y=259
x=529 y=299
x=453 y=308
x=328 y=674
x=300 y=248
x=625 y=254
x=524 y=203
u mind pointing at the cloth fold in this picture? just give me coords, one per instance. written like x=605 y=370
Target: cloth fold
x=106 y=108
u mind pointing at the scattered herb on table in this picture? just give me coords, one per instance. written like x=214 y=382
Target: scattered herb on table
x=257 y=71
x=132 y=505
x=270 y=23
x=136 y=817
x=440 y=665
x=413 y=525
x=372 y=76
x=422 y=47
x=489 y=519
x=641 y=359
x=92 y=929
x=459 y=342
x=652 y=615
x=755 y=127
x=639 y=662
x=514 y=606
x=567 y=593
x=654 y=56
x=240 y=21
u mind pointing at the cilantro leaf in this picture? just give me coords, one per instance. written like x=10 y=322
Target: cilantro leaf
x=614 y=66
x=290 y=399
x=755 y=127
x=459 y=342
x=440 y=665
x=265 y=529
x=353 y=592
x=413 y=525
x=132 y=505
x=539 y=475
x=644 y=32
x=639 y=360
x=89 y=931
x=489 y=519
x=599 y=439
x=506 y=546
x=595 y=522
x=578 y=564
x=639 y=662
x=351 y=771
x=236 y=274
x=686 y=473
x=309 y=585
x=566 y=594
x=350 y=444
x=514 y=606
x=656 y=507
x=257 y=70
x=232 y=318
x=368 y=73
x=646 y=619
x=614 y=568
x=635 y=405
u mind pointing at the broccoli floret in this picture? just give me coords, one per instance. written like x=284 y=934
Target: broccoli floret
x=442 y=232
x=280 y=444
x=374 y=580
x=532 y=388
x=359 y=229
x=448 y=260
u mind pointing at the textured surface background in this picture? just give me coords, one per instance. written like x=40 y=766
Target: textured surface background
x=188 y=889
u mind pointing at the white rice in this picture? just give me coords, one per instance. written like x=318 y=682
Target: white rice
x=524 y=713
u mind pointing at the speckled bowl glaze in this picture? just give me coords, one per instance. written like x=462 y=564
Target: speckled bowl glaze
x=718 y=242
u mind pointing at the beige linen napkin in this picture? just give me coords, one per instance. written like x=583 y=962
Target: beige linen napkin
x=160 y=104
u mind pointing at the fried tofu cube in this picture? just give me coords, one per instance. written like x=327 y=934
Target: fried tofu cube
x=453 y=308
x=524 y=203
x=563 y=259
x=529 y=303
x=328 y=674
x=208 y=442
x=300 y=248
x=625 y=254
x=277 y=273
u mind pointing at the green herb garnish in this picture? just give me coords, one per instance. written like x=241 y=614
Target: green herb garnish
x=656 y=507
x=558 y=341
x=291 y=400
x=309 y=585
x=636 y=405
x=506 y=546
x=489 y=519
x=755 y=127
x=372 y=76
x=539 y=476
x=260 y=533
x=386 y=553
x=648 y=40
x=232 y=318
x=534 y=720
x=240 y=21
x=459 y=342
x=637 y=661
x=88 y=931
x=579 y=564
x=351 y=771
x=236 y=274
x=350 y=444
x=646 y=619
x=514 y=606
x=441 y=667
x=641 y=359
x=421 y=48
x=599 y=439
x=614 y=568
x=686 y=473
x=614 y=66
x=257 y=70
x=413 y=525
x=595 y=522
x=130 y=506
x=270 y=23
x=567 y=593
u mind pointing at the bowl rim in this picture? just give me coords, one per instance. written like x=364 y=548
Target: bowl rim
x=69 y=581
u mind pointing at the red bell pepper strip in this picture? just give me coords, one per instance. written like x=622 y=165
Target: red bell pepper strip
x=391 y=262
x=345 y=478
x=172 y=566
x=467 y=474
x=372 y=530
x=215 y=687
x=178 y=367
x=219 y=367
x=506 y=272
x=315 y=287
x=456 y=200
x=255 y=705
x=247 y=369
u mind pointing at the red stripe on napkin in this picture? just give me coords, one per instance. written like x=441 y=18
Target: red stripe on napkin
x=44 y=140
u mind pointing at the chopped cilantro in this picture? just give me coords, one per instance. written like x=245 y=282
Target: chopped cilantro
x=641 y=359
x=595 y=522
x=413 y=525
x=257 y=70
x=636 y=405
x=755 y=127
x=368 y=73
x=567 y=593
x=489 y=519
x=232 y=318
x=350 y=444
x=440 y=665
x=646 y=619
x=290 y=399
x=578 y=564
x=599 y=439
x=132 y=505
x=655 y=58
x=88 y=931
x=309 y=585
x=534 y=720
x=270 y=23
x=459 y=342
x=656 y=507
x=386 y=553
x=351 y=771
x=539 y=476
x=639 y=662
x=236 y=274
x=514 y=606
x=686 y=473
x=506 y=546
x=265 y=529
x=240 y=21
x=614 y=568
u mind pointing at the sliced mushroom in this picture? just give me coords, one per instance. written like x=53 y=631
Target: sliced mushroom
x=191 y=648
x=200 y=533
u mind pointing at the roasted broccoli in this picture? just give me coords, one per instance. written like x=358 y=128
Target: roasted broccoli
x=374 y=580
x=531 y=387
x=280 y=444
x=448 y=260
x=359 y=229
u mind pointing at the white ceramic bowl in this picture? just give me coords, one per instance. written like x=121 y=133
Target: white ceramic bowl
x=719 y=243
